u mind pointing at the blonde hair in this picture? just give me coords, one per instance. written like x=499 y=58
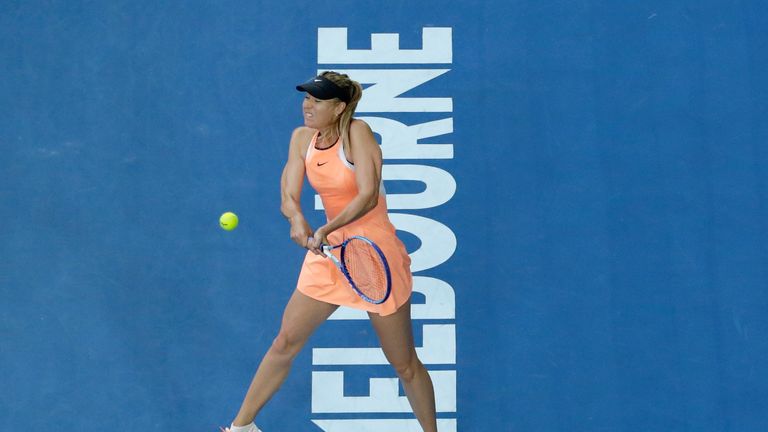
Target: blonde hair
x=355 y=93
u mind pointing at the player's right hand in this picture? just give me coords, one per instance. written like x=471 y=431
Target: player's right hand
x=300 y=231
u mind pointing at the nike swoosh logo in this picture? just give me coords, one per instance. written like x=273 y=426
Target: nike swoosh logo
x=321 y=164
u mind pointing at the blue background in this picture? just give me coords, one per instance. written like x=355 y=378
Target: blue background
x=611 y=209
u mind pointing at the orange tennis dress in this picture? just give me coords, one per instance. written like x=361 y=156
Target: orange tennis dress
x=333 y=177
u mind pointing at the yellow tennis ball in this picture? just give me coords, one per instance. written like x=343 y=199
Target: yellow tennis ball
x=228 y=221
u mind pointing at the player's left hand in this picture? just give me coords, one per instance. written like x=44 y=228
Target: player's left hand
x=319 y=238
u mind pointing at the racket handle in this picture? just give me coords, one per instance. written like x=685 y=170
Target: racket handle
x=327 y=252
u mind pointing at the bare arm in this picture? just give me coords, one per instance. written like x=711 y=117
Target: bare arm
x=291 y=183
x=367 y=160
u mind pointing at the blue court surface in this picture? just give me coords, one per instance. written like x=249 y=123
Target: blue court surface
x=582 y=187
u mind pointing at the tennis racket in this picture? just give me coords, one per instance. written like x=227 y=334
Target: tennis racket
x=364 y=265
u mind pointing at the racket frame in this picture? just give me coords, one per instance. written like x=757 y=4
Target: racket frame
x=343 y=268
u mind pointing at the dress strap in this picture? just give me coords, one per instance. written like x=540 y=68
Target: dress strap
x=311 y=147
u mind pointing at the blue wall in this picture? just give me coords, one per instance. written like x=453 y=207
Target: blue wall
x=610 y=212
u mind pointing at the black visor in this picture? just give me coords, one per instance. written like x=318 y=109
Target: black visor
x=323 y=88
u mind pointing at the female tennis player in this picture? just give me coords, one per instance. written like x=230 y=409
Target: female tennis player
x=342 y=161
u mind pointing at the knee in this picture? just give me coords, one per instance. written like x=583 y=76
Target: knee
x=406 y=370
x=286 y=344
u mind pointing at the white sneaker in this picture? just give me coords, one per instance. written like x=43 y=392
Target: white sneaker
x=250 y=428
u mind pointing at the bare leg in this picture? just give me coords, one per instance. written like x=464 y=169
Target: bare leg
x=396 y=338
x=301 y=317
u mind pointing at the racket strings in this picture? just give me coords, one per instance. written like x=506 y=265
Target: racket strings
x=366 y=269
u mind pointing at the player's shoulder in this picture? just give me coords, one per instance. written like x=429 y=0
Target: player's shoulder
x=360 y=132
x=300 y=139
x=302 y=132
x=301 y=136
x=357 y=125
